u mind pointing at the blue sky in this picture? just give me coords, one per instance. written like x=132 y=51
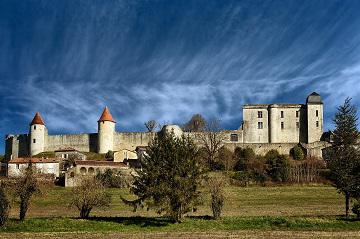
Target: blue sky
x=167 y=60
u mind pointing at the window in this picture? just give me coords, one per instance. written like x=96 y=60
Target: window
x=317 y=113
x=34 y=141
x=234 y=137
x=259 y=114
x=297 y=114
x=282 y=114
x=260 y=125
x=317 y=124
x=34 y=127
x=17 y=166
x=282 y=125
x=297 y=125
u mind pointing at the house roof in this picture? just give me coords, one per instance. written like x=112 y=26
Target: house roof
x=33 y=160
x=37 y=119
x=99 y=163
x=106 y=116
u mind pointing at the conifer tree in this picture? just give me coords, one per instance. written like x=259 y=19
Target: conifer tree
x=169 y=178
x=344 y=154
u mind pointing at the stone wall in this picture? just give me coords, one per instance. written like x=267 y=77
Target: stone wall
x=81 y=142
x=262 y=149
x=16 y=146
x=131 y=140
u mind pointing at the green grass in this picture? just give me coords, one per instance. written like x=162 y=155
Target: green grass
x=286 y=208
x=141 y=224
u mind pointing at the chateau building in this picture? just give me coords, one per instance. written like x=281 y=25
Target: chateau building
x=264 y=127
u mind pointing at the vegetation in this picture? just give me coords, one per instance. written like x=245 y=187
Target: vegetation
x=89 y=194
x=278 y=166
x=196 y=124
x=2 y=158
x=25 y=187
x=170 y=177
x=4 y=207
x=211 y=138
x=94 y=156
x=297 y=153
x=216 y=185
x=344 y=163
x=48 y=154
x=150 y=125
x=112 y=178
x=356 y=208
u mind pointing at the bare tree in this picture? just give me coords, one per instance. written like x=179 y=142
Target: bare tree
x=195 y=124
x=150 y=125
x=211 y=139
x=89 y=194
x=25 y=187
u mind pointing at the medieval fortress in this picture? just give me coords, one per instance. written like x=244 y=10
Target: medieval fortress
x=264 y=127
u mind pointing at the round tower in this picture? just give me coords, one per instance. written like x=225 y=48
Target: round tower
x=37 y=135
x=106 y=131
x=315 y=117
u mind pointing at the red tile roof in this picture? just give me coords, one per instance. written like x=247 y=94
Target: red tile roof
x=106 y=116
x=33 y=160
x=37 y=119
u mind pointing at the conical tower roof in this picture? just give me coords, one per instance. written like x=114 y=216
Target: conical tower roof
x=37 y=119
x=106 y=116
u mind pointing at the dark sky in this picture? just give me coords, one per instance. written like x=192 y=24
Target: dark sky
x=166 y=60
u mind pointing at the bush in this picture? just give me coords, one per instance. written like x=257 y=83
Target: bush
x=278 y=166
x=216 y=186
x=242 y=157
x=242 y=176
x=4 y=207
x=226 y=158
x=297 y=153
x=356 y=209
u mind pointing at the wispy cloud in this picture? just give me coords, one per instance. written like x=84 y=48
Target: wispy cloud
x=148 y=60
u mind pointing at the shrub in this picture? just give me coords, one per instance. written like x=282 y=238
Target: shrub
x=297 y=153
x=216 y=186
x=226 y=158
x=356 y=209
x=242 y=176
x=4 y=207
x=278 y=166
x=242 y=157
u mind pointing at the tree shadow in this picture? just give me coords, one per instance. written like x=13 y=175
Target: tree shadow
x=138 y=221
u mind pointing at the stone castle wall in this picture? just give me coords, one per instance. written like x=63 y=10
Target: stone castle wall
x=131 y=140
x=81 y=142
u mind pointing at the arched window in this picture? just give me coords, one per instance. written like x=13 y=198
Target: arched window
x=91 y=170
x=83 y=170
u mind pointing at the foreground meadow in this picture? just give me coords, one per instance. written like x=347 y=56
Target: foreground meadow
x=279 y=211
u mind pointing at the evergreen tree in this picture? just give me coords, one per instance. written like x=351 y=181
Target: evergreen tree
x=344 y=162
x=170 y=177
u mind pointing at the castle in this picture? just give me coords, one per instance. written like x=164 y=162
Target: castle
x=264 y=127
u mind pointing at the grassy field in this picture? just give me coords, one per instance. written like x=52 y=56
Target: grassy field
x=279 y=211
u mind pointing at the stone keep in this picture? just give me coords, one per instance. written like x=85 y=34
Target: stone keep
x=38 y=134
x=106 y=131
